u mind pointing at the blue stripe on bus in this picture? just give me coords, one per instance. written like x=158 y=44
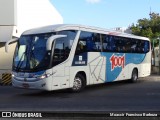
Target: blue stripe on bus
x=116 y=61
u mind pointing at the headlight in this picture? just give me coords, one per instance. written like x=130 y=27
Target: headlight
x=43 y=76
x=13 y=75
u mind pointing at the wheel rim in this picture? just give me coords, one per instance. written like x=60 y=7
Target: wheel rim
x=77 y=84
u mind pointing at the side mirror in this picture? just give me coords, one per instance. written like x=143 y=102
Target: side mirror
x=7 y=44
x=51 y=39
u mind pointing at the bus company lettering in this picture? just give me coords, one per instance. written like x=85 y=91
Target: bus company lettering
x=117 y=61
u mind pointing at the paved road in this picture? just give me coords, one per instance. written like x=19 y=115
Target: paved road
x=118 y=96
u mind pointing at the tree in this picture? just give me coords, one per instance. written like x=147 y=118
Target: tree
x=148 y=27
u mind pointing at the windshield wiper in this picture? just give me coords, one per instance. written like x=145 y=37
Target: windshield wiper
x=33 y=61
x=20 y=62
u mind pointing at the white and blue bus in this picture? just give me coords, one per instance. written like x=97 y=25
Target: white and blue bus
x=73 y=56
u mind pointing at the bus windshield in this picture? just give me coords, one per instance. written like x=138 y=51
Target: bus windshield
x=30 y=53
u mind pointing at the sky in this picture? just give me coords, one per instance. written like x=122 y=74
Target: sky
x=105 y=13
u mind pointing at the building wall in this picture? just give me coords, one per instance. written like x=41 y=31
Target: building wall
x=6 y=58
x=36 y=13
x=7 y=12
x=16 y=16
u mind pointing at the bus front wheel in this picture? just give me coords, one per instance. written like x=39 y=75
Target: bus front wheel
x=79 y=83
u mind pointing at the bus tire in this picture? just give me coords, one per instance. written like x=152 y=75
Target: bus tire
x=134 y=76
x=79 y=83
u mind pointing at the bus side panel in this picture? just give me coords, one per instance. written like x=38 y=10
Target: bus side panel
x=60 y=82
x=119 y=66
x=97 y=67
x=114 y=64
x=60 y=77
x=145 y=69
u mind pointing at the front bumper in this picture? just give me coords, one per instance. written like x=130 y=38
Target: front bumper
x=40 y=84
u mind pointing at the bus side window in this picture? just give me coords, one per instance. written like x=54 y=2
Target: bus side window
x=105 y=43
x=81 y=47
x=133 y=46
x=111 y=44
x=139 y=46
x=63 y=46
x=146 y=46
x=120 y=44
x=128 y=45
x=84 y=43
x=97 y=42
x=88 y=42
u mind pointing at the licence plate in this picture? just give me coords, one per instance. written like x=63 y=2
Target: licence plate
x=25 y=85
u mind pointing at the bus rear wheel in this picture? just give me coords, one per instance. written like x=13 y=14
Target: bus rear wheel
x=78 y=84
x=134 y=76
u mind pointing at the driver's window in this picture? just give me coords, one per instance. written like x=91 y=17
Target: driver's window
x=62 y=46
